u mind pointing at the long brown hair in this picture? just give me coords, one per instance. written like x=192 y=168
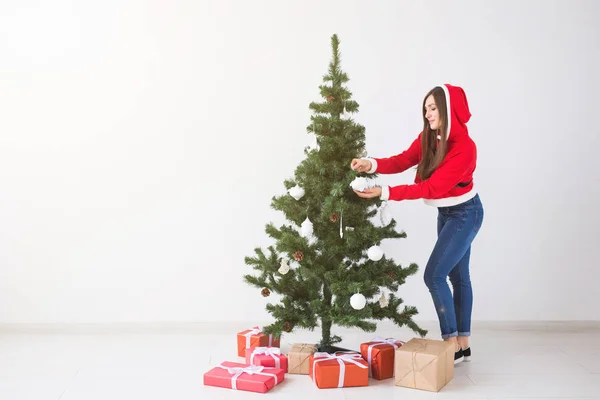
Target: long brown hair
x=433 y=152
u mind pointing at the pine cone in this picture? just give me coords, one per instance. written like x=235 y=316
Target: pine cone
x=298 y=256
x=287 y=327
x=265 y=292
x=392 y=275
x=330 y=98
x=334 y=217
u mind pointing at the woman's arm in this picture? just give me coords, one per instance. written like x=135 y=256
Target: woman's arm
x=398 y=163
x=448 y=175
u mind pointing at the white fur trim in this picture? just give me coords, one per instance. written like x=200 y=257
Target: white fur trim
x=448 y=110
x=451 y=201
x=373 y=165
x=385 y=193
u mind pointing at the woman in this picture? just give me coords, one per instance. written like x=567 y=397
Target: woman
x=446 y=157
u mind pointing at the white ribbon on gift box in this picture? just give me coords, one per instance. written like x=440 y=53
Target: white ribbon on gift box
x=256 y=331
x=251 y=370
x=346 y=356
x=379 y=341
x=274 y=352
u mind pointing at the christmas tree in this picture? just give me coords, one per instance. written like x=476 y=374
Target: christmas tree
x=327 y=261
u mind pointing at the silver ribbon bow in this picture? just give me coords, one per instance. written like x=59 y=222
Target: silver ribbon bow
x=274 y=352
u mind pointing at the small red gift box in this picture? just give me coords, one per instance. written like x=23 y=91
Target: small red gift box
x=250 y=378
x=379 y=353
x=342 y=369
x=251 y=338
x=267 y=357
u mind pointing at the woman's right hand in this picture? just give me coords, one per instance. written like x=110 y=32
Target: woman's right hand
x=361 y=165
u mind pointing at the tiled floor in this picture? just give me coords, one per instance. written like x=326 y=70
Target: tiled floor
x=544 y=361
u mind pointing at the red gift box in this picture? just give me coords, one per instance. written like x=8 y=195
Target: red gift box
x=267 y=357
x=342 y=369
x=250 y=378
x=379 y=353
x=251 y=338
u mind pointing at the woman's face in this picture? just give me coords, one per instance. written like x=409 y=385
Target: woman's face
x=431 y=113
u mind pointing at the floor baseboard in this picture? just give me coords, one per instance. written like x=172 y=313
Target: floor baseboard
x=218 y=327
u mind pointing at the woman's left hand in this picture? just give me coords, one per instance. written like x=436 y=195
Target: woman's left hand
x=369 y=193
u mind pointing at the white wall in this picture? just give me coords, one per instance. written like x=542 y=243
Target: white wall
x=141 y=143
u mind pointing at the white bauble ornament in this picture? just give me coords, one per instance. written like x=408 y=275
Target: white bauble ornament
x=360 y=184
x=358 y=301
x=375 y=253
x=296 y=192
x=306 y=228
x=284 y=267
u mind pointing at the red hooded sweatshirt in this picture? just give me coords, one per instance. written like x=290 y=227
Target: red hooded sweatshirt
x=452 y=182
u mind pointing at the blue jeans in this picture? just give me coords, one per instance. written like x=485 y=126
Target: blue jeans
x=457 y=227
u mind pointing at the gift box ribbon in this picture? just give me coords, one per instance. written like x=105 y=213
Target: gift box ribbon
x=341 y=359
x=274 y=352
x=379 y=341
x=251 y=370
x=255 y=331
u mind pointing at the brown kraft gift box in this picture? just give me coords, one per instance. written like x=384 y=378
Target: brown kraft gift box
x=298 y=358
x=424 y=364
